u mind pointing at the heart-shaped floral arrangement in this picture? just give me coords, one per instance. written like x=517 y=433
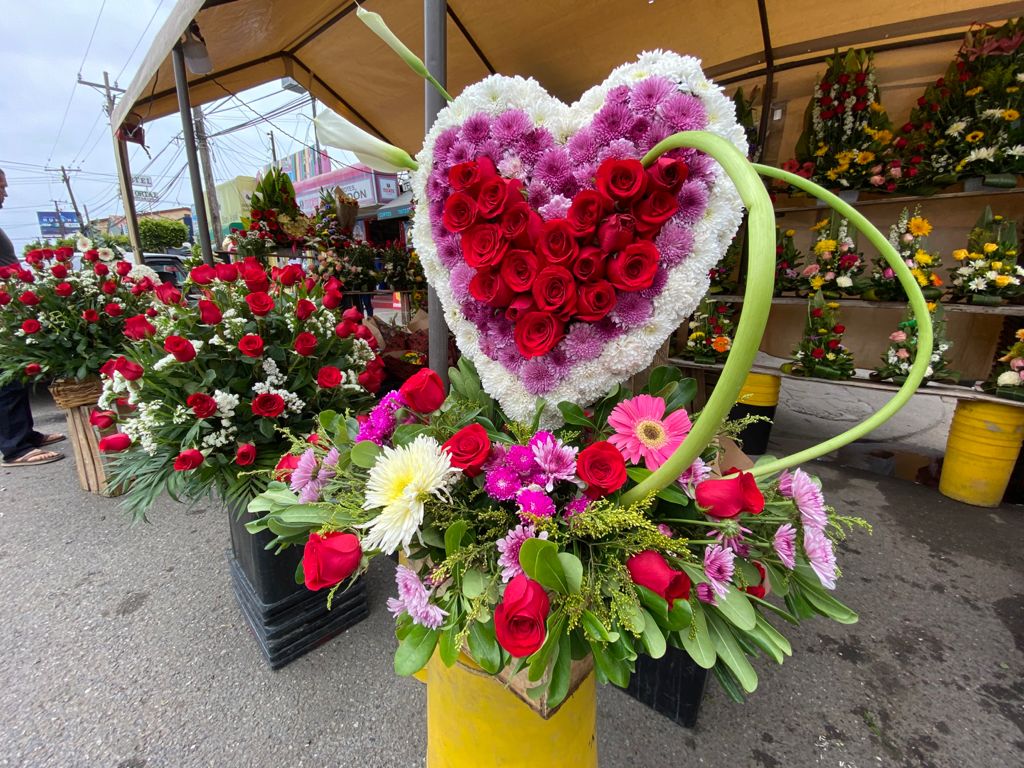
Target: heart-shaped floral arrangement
x=561 y=262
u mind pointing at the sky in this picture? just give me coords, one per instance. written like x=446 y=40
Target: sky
x=47 y=119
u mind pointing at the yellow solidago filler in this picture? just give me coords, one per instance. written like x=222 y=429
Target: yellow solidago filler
x=919 y=226
x=1019 y=334
x=960 y=254
x=820 y=225
x=824 y=245
x=821 y=151
x=974 y=91
x=922 y=258
x=1010 y=114
x=865 y=157
x=989 y=247
x=817 y=281
x=790 y=232
x=974 y=136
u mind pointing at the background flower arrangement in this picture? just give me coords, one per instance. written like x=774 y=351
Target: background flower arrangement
x=212 y=386
x=907 y=236
x=518 y=554
x=987 y=271
x=1007 y=379
x=274 y=218
x=711 y=332
x=788 y=260
x=821 y=352
x=837 y=263
x=902 y=350
x=64 y=321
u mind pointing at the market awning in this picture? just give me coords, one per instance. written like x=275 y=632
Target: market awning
x=397 y=208
x=567 y=45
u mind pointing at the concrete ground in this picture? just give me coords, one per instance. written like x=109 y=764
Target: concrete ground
x=122 y=646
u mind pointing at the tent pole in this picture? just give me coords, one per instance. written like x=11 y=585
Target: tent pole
x=188 y=134
x=769 y=81
x=435 y=49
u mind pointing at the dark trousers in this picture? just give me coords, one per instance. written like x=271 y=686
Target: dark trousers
x=16 y=434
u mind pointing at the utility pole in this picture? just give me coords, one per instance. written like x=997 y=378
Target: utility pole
x=82 y=223
x=211 y=184
x=60 y=219
x=273 y=146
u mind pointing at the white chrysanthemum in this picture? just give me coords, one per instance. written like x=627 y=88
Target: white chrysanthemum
x=140 y=271
x=1008 y=379
x=399 y=484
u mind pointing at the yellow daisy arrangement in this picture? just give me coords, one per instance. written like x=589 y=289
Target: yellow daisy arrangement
x=986 y=271
x=907 y=236
x=837 y=263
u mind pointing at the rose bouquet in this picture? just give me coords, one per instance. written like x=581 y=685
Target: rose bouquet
x=518 y=554
x=62 y=320
x=907 y=236
x=787 y=261
x=274 y=218
x=1007 y=378
x=902 y=350
x=355 y=265
x=988 y=271
x=821 y=352
x=837 y=263
x=711 y=332
x=215 y=388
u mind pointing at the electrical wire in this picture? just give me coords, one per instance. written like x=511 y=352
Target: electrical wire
x=139 y=41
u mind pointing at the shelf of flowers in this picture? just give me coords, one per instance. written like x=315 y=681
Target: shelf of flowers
x=1016 y=310
x=798 y=204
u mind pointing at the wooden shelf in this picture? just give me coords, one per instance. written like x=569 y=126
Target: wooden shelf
x=901 y=199
x=1015 y=310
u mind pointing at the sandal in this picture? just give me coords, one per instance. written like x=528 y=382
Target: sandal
x=51 y=439
x=33 y=458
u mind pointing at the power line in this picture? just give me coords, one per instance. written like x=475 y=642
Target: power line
x=88 y=47
x=139 y=41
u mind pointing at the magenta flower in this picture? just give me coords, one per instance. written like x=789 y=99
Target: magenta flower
x=697 y=473
x=381 y=422
x=821 y=556
x=706 y=594
x=807 y=496
x=718 y=567
x=503 y=483
x=735 y=541
x=534 y=503
x=304 y=471
x=665 y=531
x=509 y=548
x=557 y=461
x=784 y=544
x=520 y=459
x=577 y=506
x=643 y=432
x=414 y=599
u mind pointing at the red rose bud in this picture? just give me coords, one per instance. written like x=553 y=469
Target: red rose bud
x=33 y=369
x=254 y=276
x=329 y=559
x=227 y=273
x=467 y=177
x=364 y=333
x=557 y=243
x=267 y=405
x=328 y=377
x=180 y=347
x=616 y=232
x=289 y=275
x=520 y=224
x=649 y=569
x=817 y=353
x=101 y=270
x=91 y=255
x=459 y=212
x=590 y=264
x=668 y=173
x=150 y=312
x=114 y=443
x=5 y=298
x=469 y=449
x=59 y=271
x=209 y=313
x=602 y=468
x=304 y=308
x=29 y=299
x=332 y=299
x=536 y=333
x=310 y=282
x=305 y=344
x=586 y=210
x=101 y=419
x=495 y=194
x=353 y=315
x=187 y=460
x=487 y=287
x=123 y=268
x=285 y=467
x=92 y=316
x=202 y=405
x=138 y=328
x=371 y=380
x=113 y=310
x=634 y=267
x=423 y=392
x=251 y=345
x=260 y=303
x=128 y=369
x=483 y=245
x=109 y=287
x=621 y=180
x=595 y=301
x=839 y=329
x=654 y=210
x=245 y=455
x=344 y=329
x=168 y=294
x=520 y=618
x=817 y=312
x=203 y=274
x=727 y=497
x=30 y=326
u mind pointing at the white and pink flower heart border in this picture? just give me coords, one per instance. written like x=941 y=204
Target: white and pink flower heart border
x=686 y=281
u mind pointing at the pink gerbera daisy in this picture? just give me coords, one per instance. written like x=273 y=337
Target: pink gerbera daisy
x=642 y=431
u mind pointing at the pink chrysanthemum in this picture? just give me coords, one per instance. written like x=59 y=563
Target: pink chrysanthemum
x=821 y=556
x=533 y=502
x=718 y=567
x=557 y=461
x=734 y=541
x=632 y=310
x=784 y=544
x=642 y=431
x=503 y=483
x=706 y=594
x=696 y=474
x=555 y=208
x=414 y=599
x=665 y=531
x=509 y=548
x=304 y=471
x=807 y=496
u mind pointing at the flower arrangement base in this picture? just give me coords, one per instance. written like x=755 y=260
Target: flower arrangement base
x=287 y=619
x=759 y=397
x=77 y=399
x=1011 y=393
x=672 y=686
x=991 y=181
x=985 y=300
x=981 y=451
x=471 y=714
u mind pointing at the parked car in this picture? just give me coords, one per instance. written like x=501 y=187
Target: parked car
x=169 y=266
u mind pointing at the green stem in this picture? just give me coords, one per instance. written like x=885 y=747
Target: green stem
x=757 y=302
x=917 y=302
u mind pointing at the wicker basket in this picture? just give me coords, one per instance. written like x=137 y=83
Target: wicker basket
x=77 y=399
x=72 y=393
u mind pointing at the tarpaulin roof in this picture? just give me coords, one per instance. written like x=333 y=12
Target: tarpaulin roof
x=567 y=45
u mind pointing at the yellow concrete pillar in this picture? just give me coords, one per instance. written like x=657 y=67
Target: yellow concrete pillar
x=981 y=451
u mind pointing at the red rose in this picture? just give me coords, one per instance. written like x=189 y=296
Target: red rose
x=727 y=497
x=483 y=245
x=180 y=347
x=91 y=255
x=519 y=306
x=129 y=370
x=833 y=344
x=328 y=377
x=668 y=173
x=304 y=309
x=817 y=353
x=29 y=299
x=66 y=254
x=33 y=369
x=187 y=460
x=305 y=344
x=488 y=287
x=101 y=270
x=254 y=276
x=259 y=303
x=245 y=455
x=227 y=273
x=595 y=300
x=332 y=299
x=114 y=310
x=202 y=405
x=467 y=177
x=5 y=298
x=817 y=312
x=114 y=443
x=537 y=333
x=839 y=329
x=353 y=315
x=109 y=287
x=268 y=405
x=469 y=449
x=344 y=329
x=520 y=618
x=459 y=212
x=520 y=224
x=761 y=588
x=621 y=180
x=586 y=210
x=330 y=559
x=30 y=326
x=554 y=290
x=289 y=275
x=209 y=312
x=59 y=271
x=101 y=419
x=138 y=328
x=203 y=274
x=616 y=232
x=654 y=210
x=284 y=468
x=602 y=468
x=649 y=569
x=423 y=392
x=519 y=269
x=251 y=345
x=557 y=243
x=168 y=294
x=92 y=316
x=371 y=380
x=634 y=267
x=590 y=264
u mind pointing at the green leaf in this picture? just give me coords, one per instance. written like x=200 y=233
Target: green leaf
x=777 y=578
x=448 y=648
x=432 y=537
x=539 y=560
x=771 y=633
x=797 y=605
x=473 y=583
x=595 y=630
x=700 y=647
x=662 y=376
x=540 y=658
x=736 y=608
x=453 y=537
x=415 y=650
x=561 y=672
x=824 y=603
x=683 y=395
x=652 y=638
x=406 y=433
x=729 y=683
x=670 y=493
x=573 y=414
x=573 y=570
x=327 y=419
x=729 y=652
x=483 y=646
x=760 y=639
x=364 y=454
x=613 y=670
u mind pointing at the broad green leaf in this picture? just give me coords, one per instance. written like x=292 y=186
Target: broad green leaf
x=780 y=641
x=415 y=650
x=561 y=672
x=406 y=433
x=432 y=537
x=483 y=646
x=826 y=604
x=700 y=647
x=774 y=609
x=573 y=570
x=327 y=419
x=447 y=648
x=652 y=638
x=613 y=670
x=473 y=583
x=756 y=637
x=573 y=414
x=595 y=630
x=729 y=683
x=453 y=537
x=539 y=559
x=736 y=608
x=777 y=578
x=680 y=615
x=364 y=454
x=729 y=652
x=540 y=659
x=798 y=605
x=662 y=376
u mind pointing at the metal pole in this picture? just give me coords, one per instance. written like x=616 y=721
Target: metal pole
x=273 y=146
x=316 y=139
x=124 y=178
x=435 y=50
x=188 y=134
x=211 y=183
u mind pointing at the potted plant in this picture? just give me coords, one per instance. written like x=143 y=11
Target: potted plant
x=902 y=351
x=837 y=262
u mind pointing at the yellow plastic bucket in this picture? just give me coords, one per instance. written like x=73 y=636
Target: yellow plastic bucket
x=760 y=389
x=474 y=721
x=981 y=451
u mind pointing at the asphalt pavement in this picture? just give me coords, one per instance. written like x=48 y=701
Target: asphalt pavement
x=122 y=646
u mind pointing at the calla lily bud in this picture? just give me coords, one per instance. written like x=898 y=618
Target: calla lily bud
x=335 y=131
x=376 y=24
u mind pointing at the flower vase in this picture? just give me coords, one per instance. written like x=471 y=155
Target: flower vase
x=471 y=714
x=287 y=619
x=672 y=685
x=77 y=398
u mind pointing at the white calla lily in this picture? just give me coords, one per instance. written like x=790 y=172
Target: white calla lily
x=333 y=130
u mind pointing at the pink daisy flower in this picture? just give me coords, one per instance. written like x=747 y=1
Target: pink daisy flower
x=821 y=556
x=807 y=495
x=718 y=567
x=509 y=548
x=784 y=544
x=642 y=431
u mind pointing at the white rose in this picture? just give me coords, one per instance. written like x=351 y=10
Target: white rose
x=1008 y=379
x=844 y=282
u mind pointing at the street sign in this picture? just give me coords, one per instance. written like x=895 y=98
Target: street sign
x=50 y=223
x=145 y=196
x=142 y=181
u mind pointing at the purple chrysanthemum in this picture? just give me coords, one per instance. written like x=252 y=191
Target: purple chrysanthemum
x=583 y=146
x=821 y=556
x=696 y=474
x=444 y=143
x=557 y=461
x=734 y=542
x=665 y=531
x=304 y=472
x=683 y=112
x=538 y=194
x=538 y=377
x=577 y=506
x=310 y=492
x=675 y=243
x=554 y=169
x=519 y=458
x=807 y=496
x=705 y=594
x=503 y=483
x=784 y=544
x=718 y=567
x=618 y=149
x=657 y=131
x=631 y=310
x=512 y=167
x=693 y=200
x=555 y=208
x=533 y=144
x=509 y=548
x=618 y=95
x=437 y=185
x=534 y=503
x=449 y=251
x=539 y=437
x=660 y=280
x=414 y=599
x=510 y=126
x=612 y=122
x=328 y=468
x=462 y=151
x=461 y=276
x=490 y=148
x=496 y=458
x=477 y=128
x=583 y=343
x=381 y=423
x=647 y=95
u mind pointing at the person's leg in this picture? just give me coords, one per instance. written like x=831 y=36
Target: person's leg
x=16 y=433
